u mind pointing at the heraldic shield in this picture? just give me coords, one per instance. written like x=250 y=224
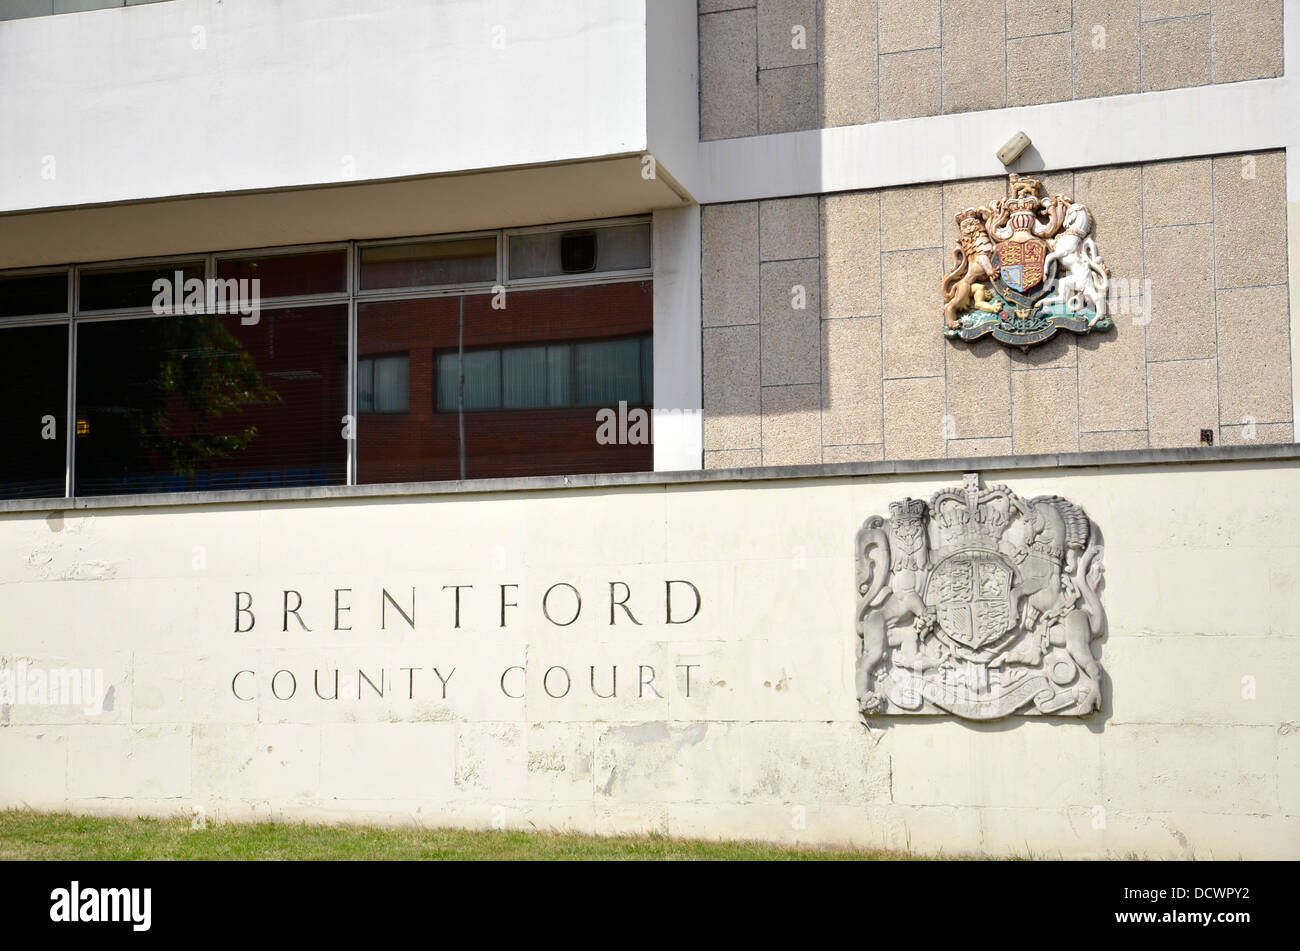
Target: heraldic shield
x=979 y=604
x=1021 y=263
x=970 y=593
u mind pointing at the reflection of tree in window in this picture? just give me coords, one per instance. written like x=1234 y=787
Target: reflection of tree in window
x=208 y=371
x=205 y=402
x=153 y=391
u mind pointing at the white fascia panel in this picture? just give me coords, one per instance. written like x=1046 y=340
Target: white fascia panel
x=196 y=97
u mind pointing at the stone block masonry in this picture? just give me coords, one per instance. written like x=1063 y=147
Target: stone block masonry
x=770 y=66
x=835 y=343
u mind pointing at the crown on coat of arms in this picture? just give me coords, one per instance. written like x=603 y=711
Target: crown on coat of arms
x=969 y=518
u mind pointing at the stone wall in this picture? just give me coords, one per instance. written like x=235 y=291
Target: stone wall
x=863 y=372
x=862 y=61
x=1195 y=752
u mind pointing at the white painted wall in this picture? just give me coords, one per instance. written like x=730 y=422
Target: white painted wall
x=1201 y=567
x=673 y=87
x=1144 y=127
x=303 y=92
x=678 y=357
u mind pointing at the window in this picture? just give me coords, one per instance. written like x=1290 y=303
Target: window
x=382 y=384
x=327 y=364
x=188 y=402
x=132 y=287
x=291 y=275
x=32 y=294
x=429 y=263
x=521 y=414
x=589 y=373
x=538 y=254
x=33 y=427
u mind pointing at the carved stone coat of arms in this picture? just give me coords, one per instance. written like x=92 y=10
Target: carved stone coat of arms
x=981 y=604
x=1025 y=267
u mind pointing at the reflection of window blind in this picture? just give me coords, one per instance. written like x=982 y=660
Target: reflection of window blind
x=383 y=384
x=391 y=375
x=482 y=379
x=365 y=386
x=535 y=376
x=448 y=381
x=608 y=371
x=589 y=373
x=647 y=369
x=558 y=375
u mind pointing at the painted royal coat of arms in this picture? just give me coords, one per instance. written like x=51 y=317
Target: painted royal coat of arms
x=1025 y=267
x=979 y=604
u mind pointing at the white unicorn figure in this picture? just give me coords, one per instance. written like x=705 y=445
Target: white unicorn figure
x=1083 y=277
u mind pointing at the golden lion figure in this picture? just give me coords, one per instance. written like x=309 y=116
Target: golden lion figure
x=972 y=263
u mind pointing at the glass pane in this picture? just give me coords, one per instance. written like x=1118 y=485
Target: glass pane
x=291 y=275
x=391 y=375
x=620 y=248
x=417 y=438
x=114 y=288
x=172 y=404
x=34 y=294
x=483 y=379
x=623 y=249
x=497 y=436
x=534 y=255
x=430 y=263
x=448 y=381
x=608 y=371
x=34 y=390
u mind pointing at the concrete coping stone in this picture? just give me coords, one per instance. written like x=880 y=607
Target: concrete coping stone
x=1282 y=452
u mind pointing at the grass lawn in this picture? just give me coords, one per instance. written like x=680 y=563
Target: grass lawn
x=35 y=835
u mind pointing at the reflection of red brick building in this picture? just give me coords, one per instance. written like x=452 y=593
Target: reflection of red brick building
x=423 y=444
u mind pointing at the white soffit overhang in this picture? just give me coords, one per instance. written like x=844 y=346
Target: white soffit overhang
x=441 y=204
